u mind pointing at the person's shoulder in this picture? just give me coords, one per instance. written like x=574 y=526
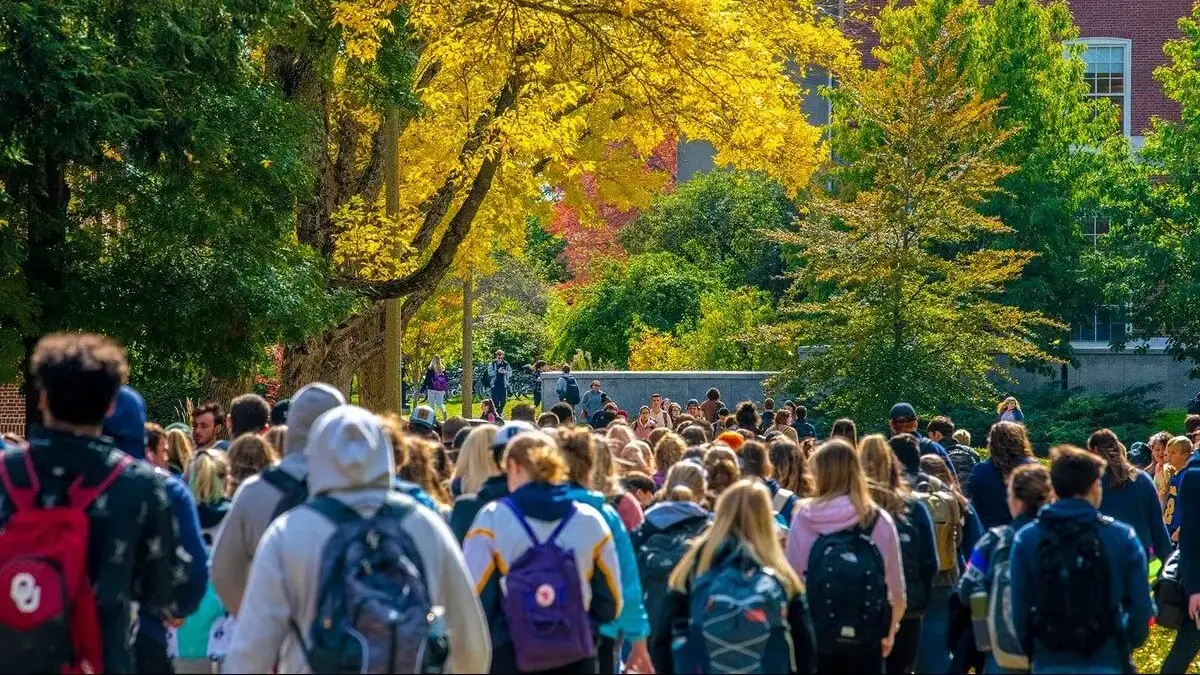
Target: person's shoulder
x=1117 y=530
x=591 y=518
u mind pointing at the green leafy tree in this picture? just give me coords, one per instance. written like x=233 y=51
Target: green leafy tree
x=904 y=299
x=1148 y=260
x=720 y=220
x=729 y=334
x=147 y=184
x=546 y=251
x=1013 y=50
x=655 y=290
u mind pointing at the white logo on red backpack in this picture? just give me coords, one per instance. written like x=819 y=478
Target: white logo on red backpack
x=25 y=593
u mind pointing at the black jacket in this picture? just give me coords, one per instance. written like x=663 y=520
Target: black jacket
x=132 y=538
x=467 y=507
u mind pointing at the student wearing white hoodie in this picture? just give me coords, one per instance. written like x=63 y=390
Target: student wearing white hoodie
x=255 y=501
x=349 y=459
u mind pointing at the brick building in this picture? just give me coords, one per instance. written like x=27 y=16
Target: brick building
x=12 y=410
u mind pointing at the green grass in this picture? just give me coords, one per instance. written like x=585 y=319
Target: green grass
x=1149 y=658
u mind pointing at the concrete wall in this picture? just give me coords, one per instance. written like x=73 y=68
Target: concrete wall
x=630 y=390
x=1102 y=370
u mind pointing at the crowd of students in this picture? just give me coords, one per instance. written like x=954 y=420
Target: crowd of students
x=321 y=537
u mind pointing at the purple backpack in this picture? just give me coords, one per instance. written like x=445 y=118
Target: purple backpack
x=543 y=603
x=440 y=382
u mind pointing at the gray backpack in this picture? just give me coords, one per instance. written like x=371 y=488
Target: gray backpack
x=1002 y=631
x=374 y=613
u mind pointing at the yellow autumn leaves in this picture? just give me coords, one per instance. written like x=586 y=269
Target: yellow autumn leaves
x=598 y=85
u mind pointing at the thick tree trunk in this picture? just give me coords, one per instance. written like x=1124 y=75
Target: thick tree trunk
x=334 y=356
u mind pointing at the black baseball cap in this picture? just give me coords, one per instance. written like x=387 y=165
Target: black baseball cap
x=903 y=412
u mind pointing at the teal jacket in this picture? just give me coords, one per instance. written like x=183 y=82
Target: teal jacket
x=632 y=622
x=192 y=636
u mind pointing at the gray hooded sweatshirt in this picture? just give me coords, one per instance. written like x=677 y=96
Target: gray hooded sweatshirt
x=350 y=459
x=255 y=501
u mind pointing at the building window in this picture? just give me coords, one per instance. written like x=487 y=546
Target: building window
x=1108 y=322
x=1094 y=227
x=1107 y=73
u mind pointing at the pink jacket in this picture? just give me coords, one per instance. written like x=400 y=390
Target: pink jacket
x=814 y=519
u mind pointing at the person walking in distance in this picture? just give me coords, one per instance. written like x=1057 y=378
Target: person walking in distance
x=436 y=384
x=498 y=374
x=591 y=403
x=128 y=552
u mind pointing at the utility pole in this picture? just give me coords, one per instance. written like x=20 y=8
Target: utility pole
x=468 y=364
x=393 y=328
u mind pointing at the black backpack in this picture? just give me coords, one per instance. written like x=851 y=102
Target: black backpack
x=1169 y=596
x=847 y=591
x=963 y=459
x=295 y=490
x=1073 y=607
x=571 y=395
x=658 y=552
x=911 y=554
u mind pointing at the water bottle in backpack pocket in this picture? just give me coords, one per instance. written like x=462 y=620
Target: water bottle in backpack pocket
x=847 y=591
x=374 y=613
x=543 y=602
x=738 y=622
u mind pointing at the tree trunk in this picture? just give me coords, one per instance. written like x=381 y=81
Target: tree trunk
x=334 y=356
x=468 y=365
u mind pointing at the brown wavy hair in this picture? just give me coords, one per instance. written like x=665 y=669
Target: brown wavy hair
x=1008 y=444
x=791 y=467
x=1105 y=444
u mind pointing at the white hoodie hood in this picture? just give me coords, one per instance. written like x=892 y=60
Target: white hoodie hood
x=307 y=405
x=348 y=449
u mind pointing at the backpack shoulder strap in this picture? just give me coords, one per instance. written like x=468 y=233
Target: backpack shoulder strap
x=562 y=524
x=334 y=510
x=23 y=497
x=81 y=498
x=869 y=527
x=281 y=480
x=512 y=506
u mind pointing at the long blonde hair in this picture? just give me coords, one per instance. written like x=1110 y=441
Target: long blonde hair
x=207 y=477
x=604 y=473
x=885 y=479
x=436 y=364
x=839 y=474
x=476 y=463
x=744 y=513
x=1003 y=404
x=179 y=449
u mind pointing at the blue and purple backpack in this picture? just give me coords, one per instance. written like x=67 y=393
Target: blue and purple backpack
x=543 y=603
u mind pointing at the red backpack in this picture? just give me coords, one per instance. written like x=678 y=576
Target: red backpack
x=47 y=607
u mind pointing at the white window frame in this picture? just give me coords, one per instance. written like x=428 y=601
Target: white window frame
x=1127 y=46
